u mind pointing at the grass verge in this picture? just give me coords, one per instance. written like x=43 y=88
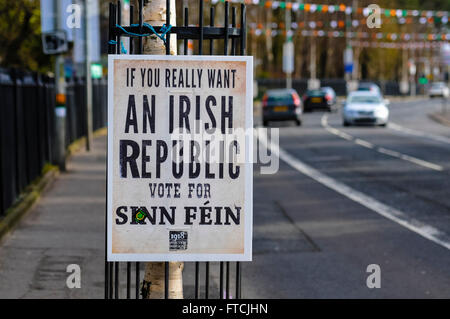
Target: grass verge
x=27 y=199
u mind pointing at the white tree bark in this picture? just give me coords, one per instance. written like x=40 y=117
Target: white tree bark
x=155 y=15
x=154 y=280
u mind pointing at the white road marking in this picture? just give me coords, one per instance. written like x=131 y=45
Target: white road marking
x=409 y=131
x=397 y=216
x=388 y=152
x=364 y=143
x=382 y=150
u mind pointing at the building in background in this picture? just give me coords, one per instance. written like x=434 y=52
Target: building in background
x=75 y=59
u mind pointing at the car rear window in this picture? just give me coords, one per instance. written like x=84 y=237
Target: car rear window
x=279 y=97
x=315 y=93
x=364 y=99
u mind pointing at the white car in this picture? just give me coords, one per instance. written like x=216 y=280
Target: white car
x=369 y=86
x=438 y=89
x=364 y=107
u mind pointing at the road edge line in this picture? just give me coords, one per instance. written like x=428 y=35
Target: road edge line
x=371 y=203
x=379 y=149
x=439 y=119
x=412 y=132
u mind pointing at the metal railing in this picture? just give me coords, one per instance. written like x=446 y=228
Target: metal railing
x=76 y=123
x=27 y=101
x=230 y=32
x=27 y=126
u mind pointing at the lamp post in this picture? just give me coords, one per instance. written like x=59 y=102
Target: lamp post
x=88 y=81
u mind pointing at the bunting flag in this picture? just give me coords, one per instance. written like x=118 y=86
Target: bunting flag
x=341 y=23
x=430 y=37
x=334 y=24
x=391 y=45
x=426 y=15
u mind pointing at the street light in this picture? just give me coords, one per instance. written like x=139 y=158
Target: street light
x=88 y=81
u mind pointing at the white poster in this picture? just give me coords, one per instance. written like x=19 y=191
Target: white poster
x=180 y=158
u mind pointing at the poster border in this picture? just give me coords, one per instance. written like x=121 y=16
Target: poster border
x=248 y=198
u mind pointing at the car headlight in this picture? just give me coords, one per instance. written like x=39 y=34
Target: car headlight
x=381 y=112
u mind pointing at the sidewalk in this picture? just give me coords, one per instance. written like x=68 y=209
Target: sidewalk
x=440 y=117
x=65 y=227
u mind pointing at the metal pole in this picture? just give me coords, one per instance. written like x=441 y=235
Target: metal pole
x=412 y=73
x=60 y=110
x=348 y=75
x=288 y=39
x=355 y=70
x=313 y=59
x=88 y=81
x=404 y=81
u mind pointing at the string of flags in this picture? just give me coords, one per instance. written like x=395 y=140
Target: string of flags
x=392 y=45
x=334 y=24
x=403 y=15
x=359 y=38
x=279 y=29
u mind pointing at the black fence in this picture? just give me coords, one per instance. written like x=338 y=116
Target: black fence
x=27 y=125
x=27 y=101
x=339 y=86
x=76 y=123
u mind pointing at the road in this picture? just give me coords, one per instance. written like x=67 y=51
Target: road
x=345 y=198
x=342 y=199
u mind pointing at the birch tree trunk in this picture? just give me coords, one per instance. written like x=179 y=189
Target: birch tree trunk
x=155 y=15
x=356 y=68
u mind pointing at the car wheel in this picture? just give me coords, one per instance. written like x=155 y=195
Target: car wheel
x=383 y=125
x=265 y=123
x=298 y=122
x=346 y=123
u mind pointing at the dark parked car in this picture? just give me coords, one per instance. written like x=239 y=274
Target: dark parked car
x=330 y=96
x=282 y=105
x=322 y=99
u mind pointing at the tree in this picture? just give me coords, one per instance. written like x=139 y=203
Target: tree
x=20 y=36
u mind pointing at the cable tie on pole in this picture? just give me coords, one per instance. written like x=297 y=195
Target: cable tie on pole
x=124 y=51
x=162 y=35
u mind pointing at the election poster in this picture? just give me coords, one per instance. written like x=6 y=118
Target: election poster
x=180 y=158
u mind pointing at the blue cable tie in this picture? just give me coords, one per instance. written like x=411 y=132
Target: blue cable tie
x=124 y=51
x=164 y=30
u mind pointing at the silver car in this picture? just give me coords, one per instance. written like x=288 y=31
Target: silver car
x=365 y=107
x=369 y=86
x=438 y=89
